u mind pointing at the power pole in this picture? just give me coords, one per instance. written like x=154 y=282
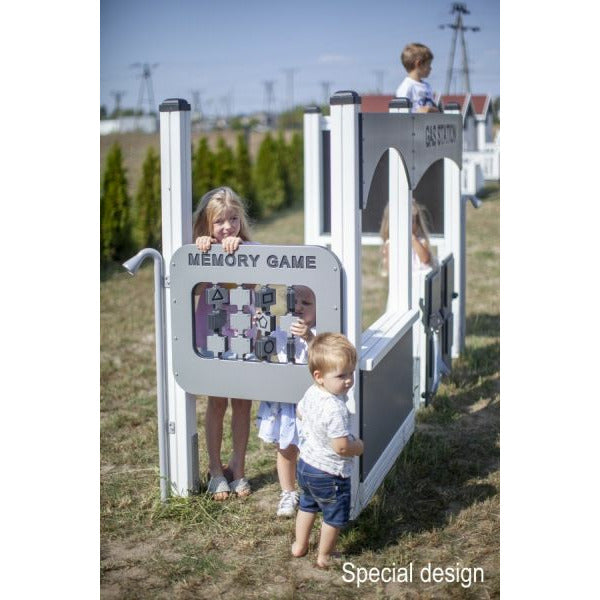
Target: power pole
x=325 y=85
x=117 y=96
x=146 y=82
x=289 y=74
x=459 y=9
x=196 y=102
x=269 y=100
x=378 y=80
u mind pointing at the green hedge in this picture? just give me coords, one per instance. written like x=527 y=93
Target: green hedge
x=273 y=182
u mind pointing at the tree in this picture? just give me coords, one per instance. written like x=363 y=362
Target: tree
x=224 y=164
x=295 y=154
x=268 y=179
x=203 y=178
x=244 y=185
x=283 y=160
x=115 y=218
x=147 y=203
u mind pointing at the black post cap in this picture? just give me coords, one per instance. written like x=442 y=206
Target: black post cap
x=174 y=105
x=452 y=106
x=345 y=97
x=400 y=102
x=311 y=110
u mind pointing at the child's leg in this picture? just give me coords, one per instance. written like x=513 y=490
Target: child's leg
x=286 y=467
x=304 y=525
x=327 y=541
x=213 y=428
x=240 y=430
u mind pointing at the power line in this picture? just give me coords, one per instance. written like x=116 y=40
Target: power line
x=459 y=9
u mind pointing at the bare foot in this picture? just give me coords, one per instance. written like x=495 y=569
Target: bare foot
x=298 y=551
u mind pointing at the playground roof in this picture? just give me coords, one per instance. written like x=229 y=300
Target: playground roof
x=375 y=103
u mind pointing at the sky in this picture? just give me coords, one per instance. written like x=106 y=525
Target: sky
x=226 y=51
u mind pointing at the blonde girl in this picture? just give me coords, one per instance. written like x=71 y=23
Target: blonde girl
x=221 y=218
x=422 y=257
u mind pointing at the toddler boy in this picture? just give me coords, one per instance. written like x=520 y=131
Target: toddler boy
x=326 y=444
x=417 y=59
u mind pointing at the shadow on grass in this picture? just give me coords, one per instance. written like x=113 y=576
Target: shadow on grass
x=473 y=364
x=489 y=189
x=484 y=325
x=433 y=478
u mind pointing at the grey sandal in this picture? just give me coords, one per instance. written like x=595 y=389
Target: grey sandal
x=218 y=485
x=241 y=487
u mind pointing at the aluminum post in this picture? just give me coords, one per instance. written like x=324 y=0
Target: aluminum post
x=176 y=194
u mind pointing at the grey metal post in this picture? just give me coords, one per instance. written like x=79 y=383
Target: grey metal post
x=132 y=265
x=176 y=202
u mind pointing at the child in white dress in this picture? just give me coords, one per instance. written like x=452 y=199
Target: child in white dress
x=276 y=421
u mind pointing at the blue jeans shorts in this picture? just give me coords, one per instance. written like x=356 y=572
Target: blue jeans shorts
x=321 y=491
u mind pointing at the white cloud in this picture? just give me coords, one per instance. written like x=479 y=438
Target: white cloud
x=326 y=59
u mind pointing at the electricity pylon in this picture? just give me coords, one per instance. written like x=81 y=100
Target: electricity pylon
x=459 y=9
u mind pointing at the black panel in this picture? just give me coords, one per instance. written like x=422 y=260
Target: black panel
x=326 y=141
x=387 y=400
x=430 y=194
x=378 y=197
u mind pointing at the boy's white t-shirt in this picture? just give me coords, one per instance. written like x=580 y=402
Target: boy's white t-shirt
x=419 y=92
x=324 y=416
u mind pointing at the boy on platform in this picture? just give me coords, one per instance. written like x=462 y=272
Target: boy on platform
x=417 y=59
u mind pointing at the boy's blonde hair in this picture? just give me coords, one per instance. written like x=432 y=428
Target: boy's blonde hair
x=214 y=203
x=414 y=53
x=330 y=351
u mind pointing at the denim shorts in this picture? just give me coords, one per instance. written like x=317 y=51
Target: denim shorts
x=321 y=491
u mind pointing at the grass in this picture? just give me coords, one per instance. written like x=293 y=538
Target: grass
x=439 y=504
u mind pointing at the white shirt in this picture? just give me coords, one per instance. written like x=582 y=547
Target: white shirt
x=419 y=92
x=324 y=417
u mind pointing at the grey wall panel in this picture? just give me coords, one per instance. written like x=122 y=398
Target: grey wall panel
x=421 y=140
x=387 y=399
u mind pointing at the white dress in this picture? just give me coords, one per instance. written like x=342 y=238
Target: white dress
x=276 y=421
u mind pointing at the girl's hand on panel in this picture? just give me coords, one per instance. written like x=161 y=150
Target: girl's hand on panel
x=231 y=244
x=204 y=242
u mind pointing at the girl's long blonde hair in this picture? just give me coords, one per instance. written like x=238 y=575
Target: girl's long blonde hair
x=212 y=204
x=419 y=214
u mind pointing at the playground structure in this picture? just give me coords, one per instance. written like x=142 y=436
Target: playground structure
x=349 y=159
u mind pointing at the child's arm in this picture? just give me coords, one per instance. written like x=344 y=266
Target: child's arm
x=421 y=249
x=300 y=329
x=345 y=447
x=427 y=109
